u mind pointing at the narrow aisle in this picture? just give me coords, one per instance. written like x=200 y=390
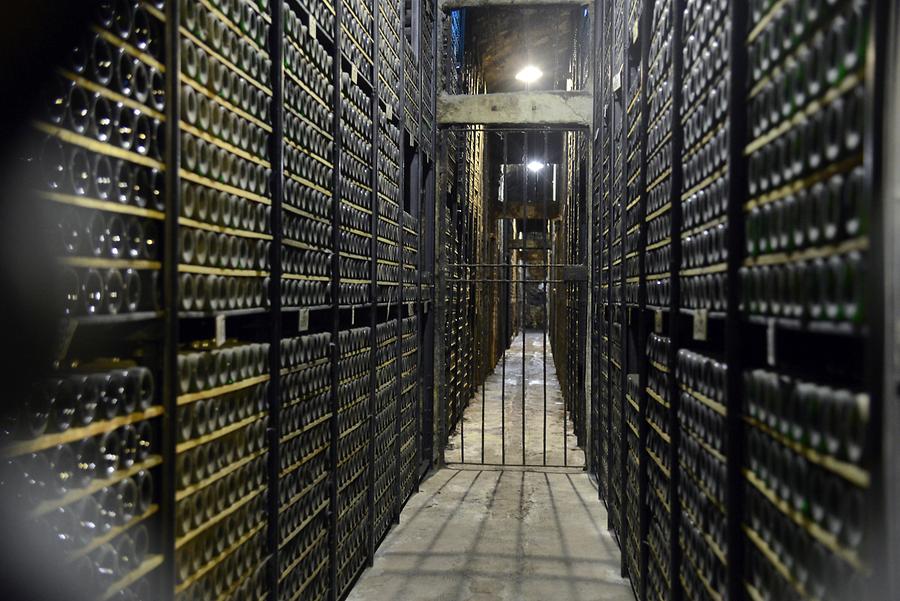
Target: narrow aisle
x=514 y=535
x=503 y=427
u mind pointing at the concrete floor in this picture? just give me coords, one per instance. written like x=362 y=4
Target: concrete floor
x=514 y=535
x=540 y=402
x=503 y=534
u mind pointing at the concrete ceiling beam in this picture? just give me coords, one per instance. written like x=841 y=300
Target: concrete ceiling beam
x=448 y=5
x=551 y=108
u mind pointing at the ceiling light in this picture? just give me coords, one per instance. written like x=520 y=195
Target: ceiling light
x=535 y=166
x=529 y=74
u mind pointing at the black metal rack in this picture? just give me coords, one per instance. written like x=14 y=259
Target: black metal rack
x=225 y=77
x=716 y=433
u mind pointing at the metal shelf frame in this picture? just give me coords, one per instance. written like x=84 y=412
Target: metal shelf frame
x=176 y=327
x=733 y=328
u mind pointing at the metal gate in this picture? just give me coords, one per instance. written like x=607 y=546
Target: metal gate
x=514 y=297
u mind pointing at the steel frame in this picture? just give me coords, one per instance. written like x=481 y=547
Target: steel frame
x=272 y=320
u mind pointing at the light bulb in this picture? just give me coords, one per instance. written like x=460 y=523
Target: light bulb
x=529 y=74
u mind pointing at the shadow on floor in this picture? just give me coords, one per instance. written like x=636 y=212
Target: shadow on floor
x=478 y=535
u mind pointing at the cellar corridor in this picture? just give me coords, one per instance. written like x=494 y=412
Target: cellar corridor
x=484 y=534
x=450 y=300
x=493 y=421
x=509 y=532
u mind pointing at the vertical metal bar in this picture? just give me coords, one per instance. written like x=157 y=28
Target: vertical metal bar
x=622 y=151
x=484 y=373
x=675 y=333
x=401 y=119
x=565 y=287
x=398 y=402
x=373 y=277
x=879 y=164
x=592 y=459
x=472 y=287
x=582 y=298
x=276 y=151
x=428 y=192
x=608 y=211
x=506 y=260
x=460 y=248
x=483 y=336
x=886 y=194
x=336 y=102
x=591 y=310
x=398 y=370
x=523 y=259
x=440 y=299
x=737 y=176
x=422 y=157
x=430 y=275
x=469 y=228
x=399 y=493
x=428 y=235
x=644 y=325
x=546 y=308
x=474 y=298
x=170 y=297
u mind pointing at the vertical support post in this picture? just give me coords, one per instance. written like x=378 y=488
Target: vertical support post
x=523 y=260
x=544 y=251
x=336 y=102
x=455 y=273
x=170 y=297
x=427 y=359
x=607 y=141
x=675 y=289
x=564 y=286
x=439 y=299
x=600 y=83
x=737 y=178
x=400 y=493
x=398 y=401
x=401 y=51
x=622 y=306
x=506 y=276
x=426 y=235
x=580 y=294
x=589 y=257
x=276 y=154
x=887 y=22
x=882 y=103
x=644 y=327
x=420 y=326
x=421 y=157
x=373 y=283
x=483 y=333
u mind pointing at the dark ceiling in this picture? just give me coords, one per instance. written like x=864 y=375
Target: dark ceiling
x=505 y=40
